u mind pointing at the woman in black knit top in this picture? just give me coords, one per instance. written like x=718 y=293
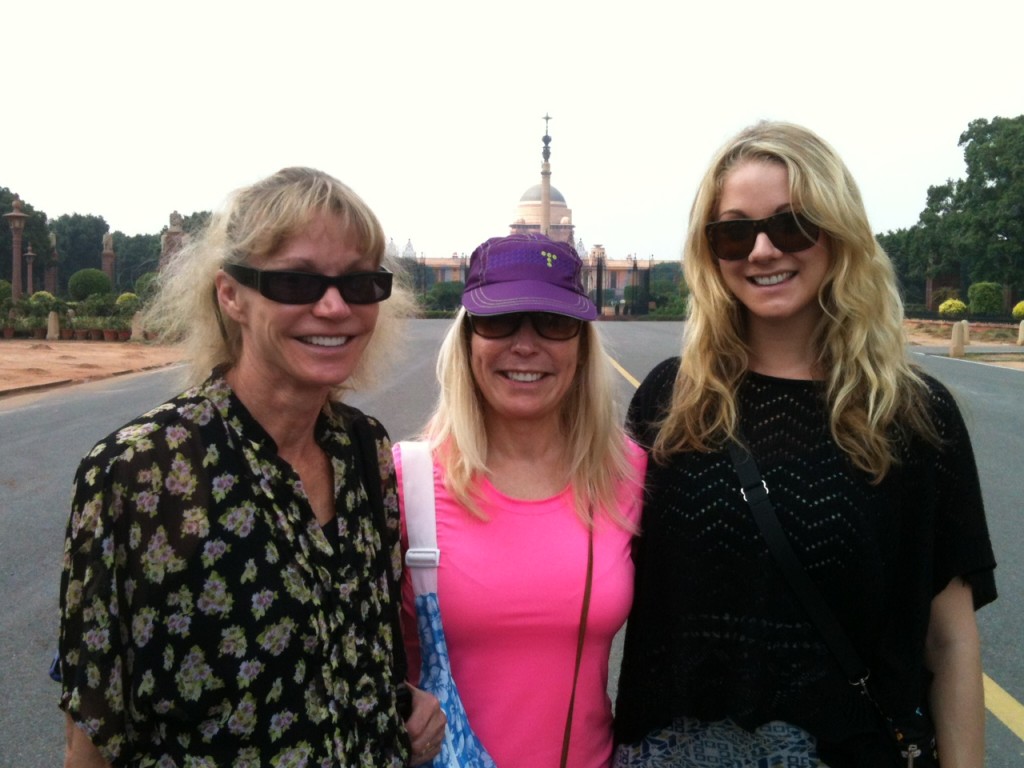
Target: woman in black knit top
x=795 y=341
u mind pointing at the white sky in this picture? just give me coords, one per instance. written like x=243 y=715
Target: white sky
x=432 y=110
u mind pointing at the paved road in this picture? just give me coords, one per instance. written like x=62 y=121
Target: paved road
x=43 y=435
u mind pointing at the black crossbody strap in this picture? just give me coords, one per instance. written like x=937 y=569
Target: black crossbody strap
x=755 y=492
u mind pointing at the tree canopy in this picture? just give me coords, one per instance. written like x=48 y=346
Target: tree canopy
x=971 y=227
x=79 y=243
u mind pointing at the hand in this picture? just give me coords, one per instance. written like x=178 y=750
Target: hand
x=79 y=751
x=425 y=726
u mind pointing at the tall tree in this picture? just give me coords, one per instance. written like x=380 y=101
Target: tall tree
x=941 y=241
x=136 y=255
x=992 y=195
x=79 y=243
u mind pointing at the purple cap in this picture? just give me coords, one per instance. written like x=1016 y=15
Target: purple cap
x=526 y=273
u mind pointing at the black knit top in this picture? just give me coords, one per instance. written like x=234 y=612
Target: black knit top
x=715 y=631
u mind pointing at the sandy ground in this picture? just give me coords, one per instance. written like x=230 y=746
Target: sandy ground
x=29 y=364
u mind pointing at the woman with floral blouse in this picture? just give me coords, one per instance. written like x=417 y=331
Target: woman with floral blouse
x=227 y=595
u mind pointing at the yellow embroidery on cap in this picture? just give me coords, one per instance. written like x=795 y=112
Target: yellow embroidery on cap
x=549 y=256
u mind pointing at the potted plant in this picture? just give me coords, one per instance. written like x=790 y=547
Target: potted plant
x=36 y=326
x=121 y=326
x=125 y=307
x=99 y=307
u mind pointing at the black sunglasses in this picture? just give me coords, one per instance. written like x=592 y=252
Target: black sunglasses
x=548 y=325
x=309 y=287
x=733 y=239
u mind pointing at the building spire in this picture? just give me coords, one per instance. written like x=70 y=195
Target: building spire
x=545 y=182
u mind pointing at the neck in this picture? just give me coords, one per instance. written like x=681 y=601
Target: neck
x=287 y=415
x=526 y=460
x=783 y=350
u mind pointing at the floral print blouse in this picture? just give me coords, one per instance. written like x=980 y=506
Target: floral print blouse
x=207 y=619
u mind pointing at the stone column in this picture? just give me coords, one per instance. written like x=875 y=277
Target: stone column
x=29 y=283
x=956 y=344
x=107 y=257
x=172 y=239
x=17 y=221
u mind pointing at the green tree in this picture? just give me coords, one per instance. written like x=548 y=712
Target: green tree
x=79 y=242
x=445 y=296
x=985 y=299
x=667 y=284
x=195 y=221
x=992 y=196
x=136 y=255
x=88 y=282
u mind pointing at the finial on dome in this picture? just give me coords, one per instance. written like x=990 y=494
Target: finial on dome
x=546 y=139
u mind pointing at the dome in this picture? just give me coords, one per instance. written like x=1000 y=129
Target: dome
x=533 y=195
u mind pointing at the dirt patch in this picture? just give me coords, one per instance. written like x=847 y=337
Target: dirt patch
x=26 y=363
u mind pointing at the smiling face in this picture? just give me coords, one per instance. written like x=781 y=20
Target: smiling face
x=524 y=376
x=776 y=288
x=305 y=348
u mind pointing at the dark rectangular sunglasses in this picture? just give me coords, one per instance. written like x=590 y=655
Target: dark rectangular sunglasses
x=308 y=287
x=733 y=239
x=548 y=325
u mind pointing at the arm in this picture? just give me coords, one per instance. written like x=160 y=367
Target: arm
x=80 y=752
x=953 y=654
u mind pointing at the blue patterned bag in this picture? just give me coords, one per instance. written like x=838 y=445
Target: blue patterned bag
x=461 y=747
x=721 y=744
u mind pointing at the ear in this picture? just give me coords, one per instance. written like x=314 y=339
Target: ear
x=231 y=300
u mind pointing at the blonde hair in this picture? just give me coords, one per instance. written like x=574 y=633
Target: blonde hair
x=595 y=441
x=254 y=224
x=870 y=384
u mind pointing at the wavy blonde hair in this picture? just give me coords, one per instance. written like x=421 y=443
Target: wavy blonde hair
x=595 y=440
x=253 y=225
x=873 y=391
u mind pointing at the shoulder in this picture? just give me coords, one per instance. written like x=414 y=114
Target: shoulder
x=636 y=456
x=651 y=400
x=170 y=424
x=348 y=417
x=658 y=384
x=944 y=409
x=663 y=373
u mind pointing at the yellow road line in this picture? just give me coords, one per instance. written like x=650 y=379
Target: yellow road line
x=625 y=374
x=1002 y=705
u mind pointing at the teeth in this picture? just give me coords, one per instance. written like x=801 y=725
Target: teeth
x=772 y=279
x=325 y=341
x=522 y=376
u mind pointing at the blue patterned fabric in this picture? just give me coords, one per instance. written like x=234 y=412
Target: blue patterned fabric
x=721 y=744
x=461 y=747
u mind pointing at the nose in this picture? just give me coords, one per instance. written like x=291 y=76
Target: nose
x=526 y=335
x=763 y=248
x=332 y=304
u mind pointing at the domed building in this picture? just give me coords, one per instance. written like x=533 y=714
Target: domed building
x=530 y=214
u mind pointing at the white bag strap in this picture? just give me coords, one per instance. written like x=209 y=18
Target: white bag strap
x=422 y=557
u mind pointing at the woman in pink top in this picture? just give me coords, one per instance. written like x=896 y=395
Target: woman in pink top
x=529 y=456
